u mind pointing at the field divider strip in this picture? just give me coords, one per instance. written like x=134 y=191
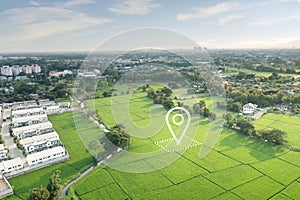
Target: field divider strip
x=116 y=182
x=158 y=171
x=266 y=175
x=261 y=176
x=226 y=192
x=103 y=186
x=229 y=157
x=296 y=180
x=195 y=163
x=288 y=162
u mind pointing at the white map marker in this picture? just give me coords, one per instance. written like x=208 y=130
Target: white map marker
x=178 y=140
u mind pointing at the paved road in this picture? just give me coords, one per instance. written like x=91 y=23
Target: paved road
x=64 y=191
x=14 y=152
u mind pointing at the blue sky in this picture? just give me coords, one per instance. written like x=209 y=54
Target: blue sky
x=80 y=25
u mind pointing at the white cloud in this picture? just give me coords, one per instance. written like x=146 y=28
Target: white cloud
x=209 y=11
x=34 y=3
x=134 y=7
x=39 y=22
x=72 y=3
x=278 y=20
x=230 y=18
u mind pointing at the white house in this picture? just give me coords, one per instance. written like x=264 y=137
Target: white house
x=3 y=152
x=11 y=165
x=40 y=142
x=27 y=112
x=36 y=129
x=64 y=105
x=49 y=106
x=24 y=121
x=249 y=108
x=24 y=105
x=52 y=109
x=46 y=155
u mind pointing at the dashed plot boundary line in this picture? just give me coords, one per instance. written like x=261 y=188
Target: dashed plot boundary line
x=196 y=143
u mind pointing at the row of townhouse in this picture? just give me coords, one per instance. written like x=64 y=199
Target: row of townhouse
x=47 y=156
x=40 y=142
x=22 y=105
x=27 y=113
x=29 y=120
x=31 y=127
x=33 y=130
x=12 y=165
x=16 y=69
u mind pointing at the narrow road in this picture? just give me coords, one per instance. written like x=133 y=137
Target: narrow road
x=65 y=189
x=14 y=152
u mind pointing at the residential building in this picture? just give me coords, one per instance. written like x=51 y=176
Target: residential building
x=64 y=105
x=27 y=112
x=36 y=68
x=16 y=69
x=24 y=105
x=27 y=69
x=249 y=108
x=36 y=129
x=46 y=156
x=29 y=120
x=11 y=165
x=3 y=153
x=40 y=142
x=6 y=71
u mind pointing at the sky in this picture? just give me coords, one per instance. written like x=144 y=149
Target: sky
x=81 y=25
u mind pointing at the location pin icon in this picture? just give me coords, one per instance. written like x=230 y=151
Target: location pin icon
x=178 y=140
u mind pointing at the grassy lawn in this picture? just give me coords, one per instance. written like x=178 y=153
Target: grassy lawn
x=249 y=71
x=238 y=167
x=79 y=159
x=288 y=123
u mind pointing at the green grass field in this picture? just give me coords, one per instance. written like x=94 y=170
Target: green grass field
x=249 y=71
x=238 y=167
x=79 y=158
x=288 y=123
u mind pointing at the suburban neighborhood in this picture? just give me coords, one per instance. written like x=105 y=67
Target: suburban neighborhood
x=29 y=141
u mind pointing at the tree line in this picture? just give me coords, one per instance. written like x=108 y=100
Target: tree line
x=237 y=98
x=245 y=126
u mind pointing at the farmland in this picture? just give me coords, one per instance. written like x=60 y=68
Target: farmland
x=238 y=167
x=287 y=123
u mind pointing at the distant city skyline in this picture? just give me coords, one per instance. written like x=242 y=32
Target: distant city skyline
x=80 y=25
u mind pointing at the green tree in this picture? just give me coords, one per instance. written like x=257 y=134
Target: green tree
x=275 y=136
x=166 y=91
x=115 y=138
x=54 y=184
x=39 y=194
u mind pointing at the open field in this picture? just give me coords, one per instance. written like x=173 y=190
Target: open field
x=79 y=159
x=238 y=167
x=288 y=123
x=249 y=71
